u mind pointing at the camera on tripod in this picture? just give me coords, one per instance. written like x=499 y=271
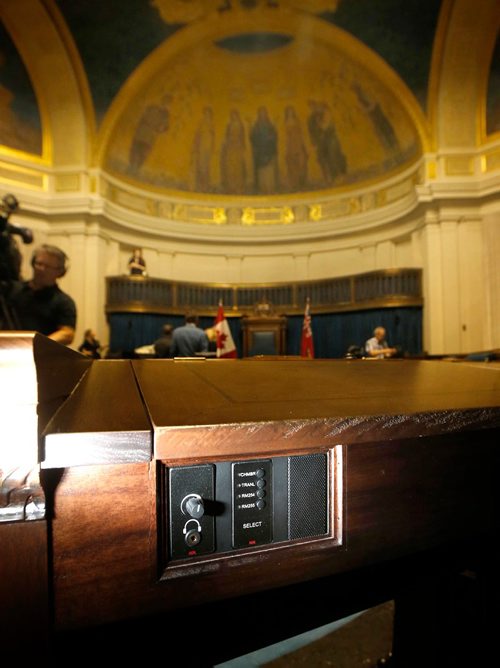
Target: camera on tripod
x=10 y=257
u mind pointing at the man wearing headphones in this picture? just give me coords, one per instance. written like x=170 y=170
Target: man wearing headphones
x=39 y=304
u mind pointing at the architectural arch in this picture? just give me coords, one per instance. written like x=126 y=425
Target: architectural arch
x=467 y=33
x=54 y=66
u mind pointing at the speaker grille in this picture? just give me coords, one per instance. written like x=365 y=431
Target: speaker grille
x=307 y=496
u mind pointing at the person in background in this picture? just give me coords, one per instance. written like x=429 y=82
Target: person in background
x=377 y=346
x=39 y=304
x=211 y=333
x=189 y=339
x=90 y=345
x=163 y=344
x=137 y=264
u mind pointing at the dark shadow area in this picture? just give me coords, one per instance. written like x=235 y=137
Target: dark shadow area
x=445 y=611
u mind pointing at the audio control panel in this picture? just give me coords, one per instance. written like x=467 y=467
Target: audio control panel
x=252 y=503
x=228 y=506
x=192 y=528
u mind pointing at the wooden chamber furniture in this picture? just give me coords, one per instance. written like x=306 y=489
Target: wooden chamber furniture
x=212 y=507
x=264 y=332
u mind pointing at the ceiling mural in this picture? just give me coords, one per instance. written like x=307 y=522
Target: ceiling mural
x=269 y=107
x=403 y=35
x=245 y=96
x=20 y=126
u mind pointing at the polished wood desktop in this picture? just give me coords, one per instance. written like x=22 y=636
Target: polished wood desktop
x=413 y=455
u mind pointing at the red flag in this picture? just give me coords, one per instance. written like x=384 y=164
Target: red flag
x=225 y=343
x=307 y=343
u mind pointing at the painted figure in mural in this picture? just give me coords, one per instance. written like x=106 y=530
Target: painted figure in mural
x=264 y=140
x=295 y=151
x=381 y=124
x=329 y=154
x=202 y=151
x=232 y=158
x=154 y=121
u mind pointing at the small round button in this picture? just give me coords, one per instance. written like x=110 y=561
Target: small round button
x=261 y=483
x=261 y=494
x=260 y=504
x=260 y=473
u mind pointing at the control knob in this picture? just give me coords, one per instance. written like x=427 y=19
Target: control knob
x=192 y=505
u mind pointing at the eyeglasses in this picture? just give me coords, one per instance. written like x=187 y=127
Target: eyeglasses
x=43 y=265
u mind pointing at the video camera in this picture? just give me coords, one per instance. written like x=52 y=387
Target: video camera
x=10 y=258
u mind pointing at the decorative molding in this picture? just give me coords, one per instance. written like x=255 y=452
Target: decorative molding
x=20 y=175
x=491 y=160
x=21 y=496
x=459 y=165
x=220 y=210
x=67 y=182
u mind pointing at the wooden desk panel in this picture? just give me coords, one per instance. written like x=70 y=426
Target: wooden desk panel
x=420 y=460
x=225 y=408
x=401 y=498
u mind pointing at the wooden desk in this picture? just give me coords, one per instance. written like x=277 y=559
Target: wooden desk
x=412 y=501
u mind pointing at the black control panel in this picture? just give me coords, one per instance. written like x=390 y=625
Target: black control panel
x=227 y=506
x=252 y=503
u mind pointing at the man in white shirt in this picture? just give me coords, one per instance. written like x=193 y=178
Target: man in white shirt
x=377 y=345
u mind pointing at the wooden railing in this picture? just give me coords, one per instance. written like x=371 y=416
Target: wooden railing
x=376 y=289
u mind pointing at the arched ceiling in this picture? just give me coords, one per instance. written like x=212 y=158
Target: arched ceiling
x=163 y=99
x=282 y=103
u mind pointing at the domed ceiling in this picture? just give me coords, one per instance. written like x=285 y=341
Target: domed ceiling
x=325 y=104
x=261 y=103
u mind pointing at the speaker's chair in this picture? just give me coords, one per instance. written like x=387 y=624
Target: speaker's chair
x=264 y=333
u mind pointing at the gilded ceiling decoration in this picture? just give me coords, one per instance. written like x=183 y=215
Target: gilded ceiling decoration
x=273 y=105
x=248 y=112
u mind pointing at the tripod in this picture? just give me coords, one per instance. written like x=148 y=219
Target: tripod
x=10 y=260
x=8 y=316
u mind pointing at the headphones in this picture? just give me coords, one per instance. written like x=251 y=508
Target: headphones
x=57 y=253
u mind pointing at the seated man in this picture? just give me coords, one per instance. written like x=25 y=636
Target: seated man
x=162 y=345
x=377 y=345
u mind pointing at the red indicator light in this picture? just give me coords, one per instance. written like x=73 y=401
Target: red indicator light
x=252 y=542
x=192 y=553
